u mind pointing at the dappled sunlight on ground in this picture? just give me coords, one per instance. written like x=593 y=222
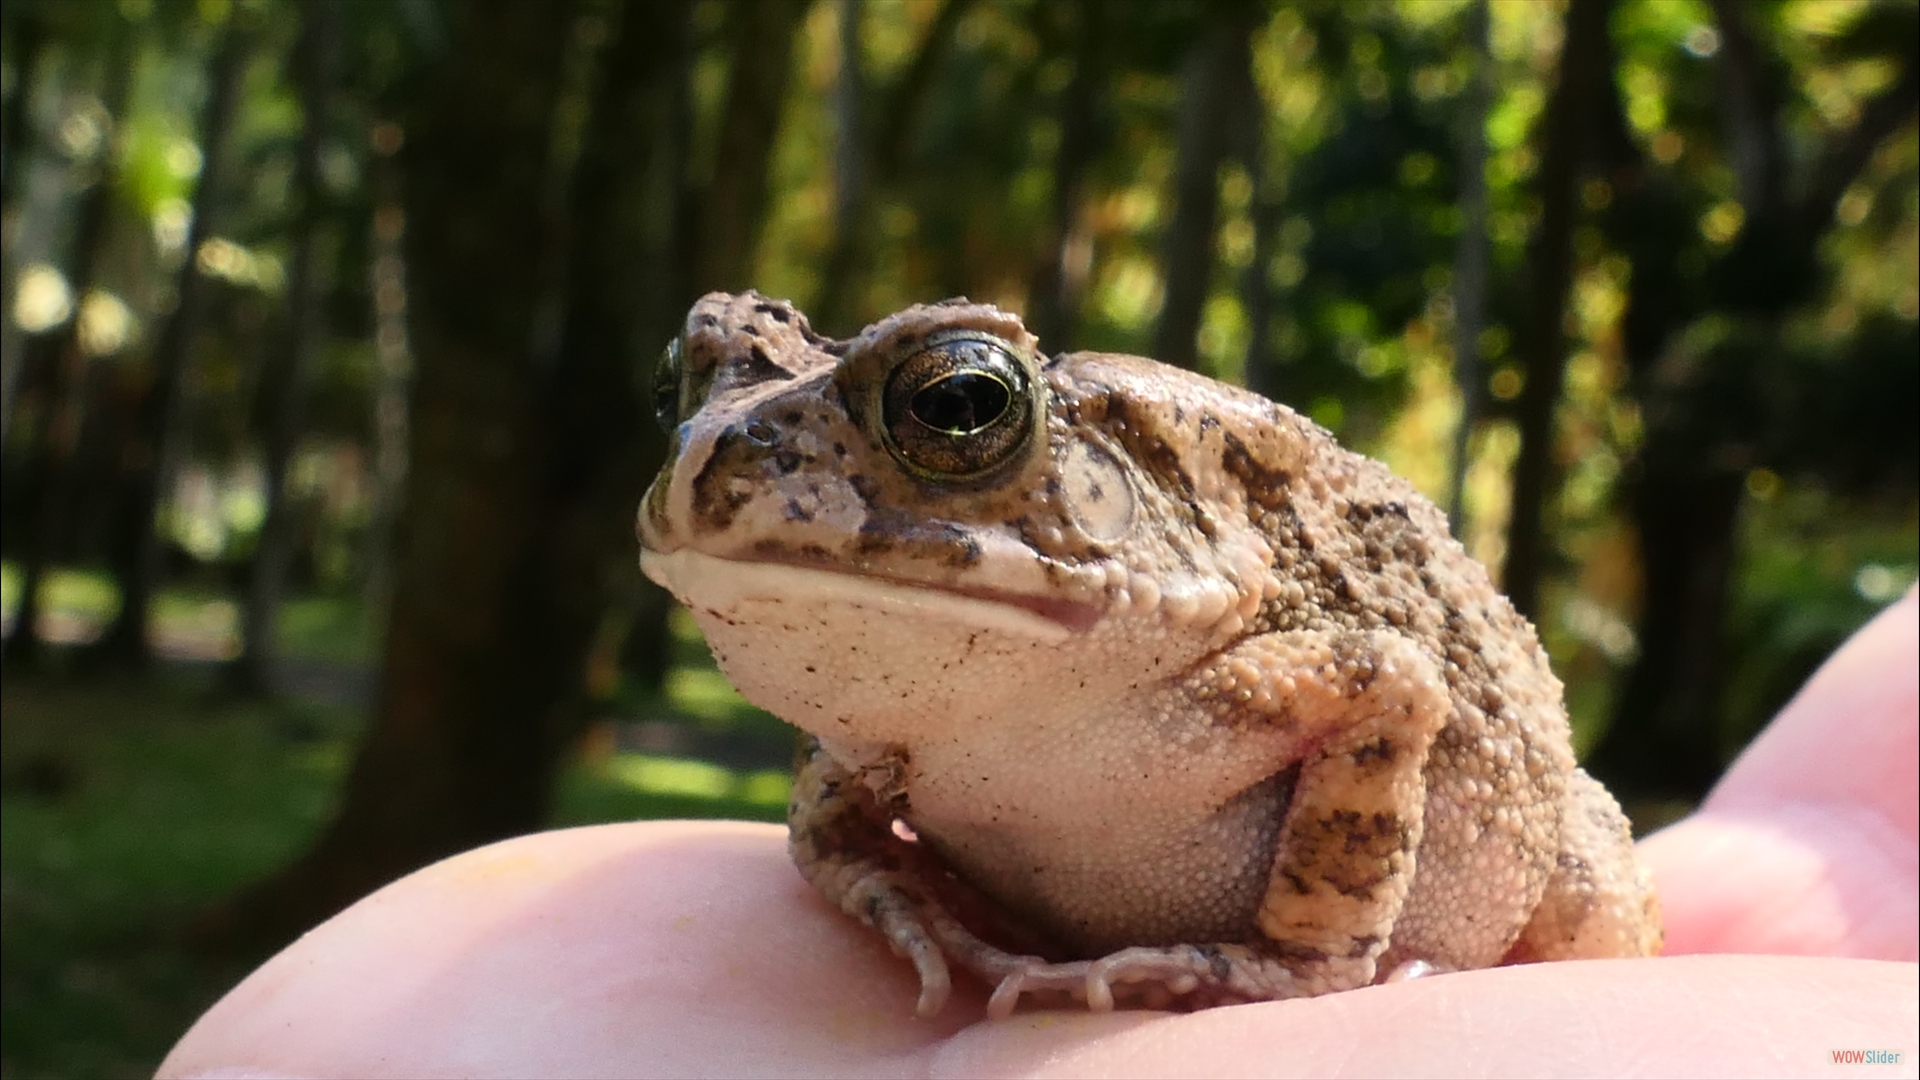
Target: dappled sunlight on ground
x=77 y=607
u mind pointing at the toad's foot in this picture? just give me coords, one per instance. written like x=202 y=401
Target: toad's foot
x=914 y=926
x=922 y=931
x=1179 y=976
x=841 y=841
x=1149 y=978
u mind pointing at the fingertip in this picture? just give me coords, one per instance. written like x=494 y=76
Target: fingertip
x=1852 y=733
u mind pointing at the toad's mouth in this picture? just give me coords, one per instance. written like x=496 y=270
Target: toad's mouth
x=703 y=581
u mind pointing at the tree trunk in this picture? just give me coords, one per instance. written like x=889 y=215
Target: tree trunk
x=631 y=182
x=1059 y=281
x=870 y=155
x=393 y=367
x=908 y=97
x=1261 y=368
x=1667 y=717
x=136 y=551
x=1541 y=342
x=1470 y=262
x=734 y=206
x=50 y=463
x=850 y=176
x=457 y=753
x=1220 y=57
x=29 y=40
x=259 y=645
x=527 y=466
x=640 y=643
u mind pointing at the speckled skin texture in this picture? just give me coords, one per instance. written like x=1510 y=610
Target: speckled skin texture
x=1120 y=684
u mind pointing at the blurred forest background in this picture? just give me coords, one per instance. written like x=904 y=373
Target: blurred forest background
x=327 y=323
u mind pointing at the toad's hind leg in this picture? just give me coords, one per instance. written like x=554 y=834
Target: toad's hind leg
x=1599 y=901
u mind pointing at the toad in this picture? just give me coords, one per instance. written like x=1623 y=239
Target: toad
x=1119 y=685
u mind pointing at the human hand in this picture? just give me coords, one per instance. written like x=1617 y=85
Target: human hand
x=694 y=948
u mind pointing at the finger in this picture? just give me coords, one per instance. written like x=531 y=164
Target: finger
x=658 y=948
x=1808 y=845
x=1683 y=1016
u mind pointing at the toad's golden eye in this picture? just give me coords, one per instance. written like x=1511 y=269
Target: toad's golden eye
x=957 y=409
x=666 y=387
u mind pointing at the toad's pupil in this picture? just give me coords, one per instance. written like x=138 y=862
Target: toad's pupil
x=961 y=403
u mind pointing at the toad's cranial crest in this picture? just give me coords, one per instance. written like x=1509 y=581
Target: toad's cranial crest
x=1119 y=685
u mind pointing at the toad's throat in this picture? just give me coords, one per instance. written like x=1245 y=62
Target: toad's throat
x=702 y=580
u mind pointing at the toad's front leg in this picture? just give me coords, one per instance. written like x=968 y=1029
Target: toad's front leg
x=842 y=838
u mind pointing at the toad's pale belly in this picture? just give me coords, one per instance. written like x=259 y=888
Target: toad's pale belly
x=1032 y=793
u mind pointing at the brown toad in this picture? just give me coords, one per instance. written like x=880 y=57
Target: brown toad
x=1118 y=681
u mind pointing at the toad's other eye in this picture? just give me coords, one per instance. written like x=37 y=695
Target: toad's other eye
x=666 y=387
x=957 y=409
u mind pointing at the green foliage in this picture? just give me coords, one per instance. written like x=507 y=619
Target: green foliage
x=125 y=809
x=1818 y=566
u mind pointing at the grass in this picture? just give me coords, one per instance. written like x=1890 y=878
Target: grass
x=332 y=629
x=329 y=628
x=639 y=787
x=124 y=810
x=126 y=807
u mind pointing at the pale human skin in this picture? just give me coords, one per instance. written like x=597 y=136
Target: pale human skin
x=695 y=948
